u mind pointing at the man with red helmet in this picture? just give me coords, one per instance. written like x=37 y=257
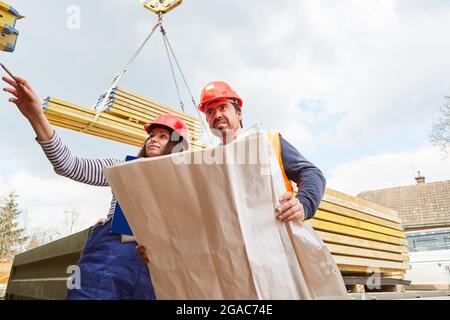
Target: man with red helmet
x=222 y=107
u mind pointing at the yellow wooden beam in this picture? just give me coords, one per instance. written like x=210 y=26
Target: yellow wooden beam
x=120 y=110
x=364 y=253
x=352 y=270
x=370 y=263
x=329 y=237
x=358 y=207
x=336 y=218
x=335 y=208
x=351 y=231
x=143 y=101
x=145 y=107
x=361 y=202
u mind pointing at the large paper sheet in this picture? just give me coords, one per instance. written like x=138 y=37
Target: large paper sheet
x=207 y=219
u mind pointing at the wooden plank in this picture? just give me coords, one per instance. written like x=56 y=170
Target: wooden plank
x=395 y=275
x=137 y=97
x=352 y=269
x=361 y=202
x=145 y=104
x=120 y=112
x=360 y=208
x=193 y=131
x=370 y=263
x=90 y=114
x=331 y=207
x=56 y=101
x=118 y=109
x=101 y=135
x=59 y=121
x=362 y=243
x=147 y=111
x=101 y=123
x=333 y=217
x=145 y=115
x=67 y=122
x=364 y=253
x=97 y=134
x=351 y=231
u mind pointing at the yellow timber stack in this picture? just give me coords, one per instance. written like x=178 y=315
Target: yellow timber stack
x=364 y=239
x=361 y=234
x=122 y=121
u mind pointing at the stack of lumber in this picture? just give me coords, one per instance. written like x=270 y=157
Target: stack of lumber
x=123 y=120
x=8 y=32
x=363 y=237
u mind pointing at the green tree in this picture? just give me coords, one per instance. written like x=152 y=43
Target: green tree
x=440 y=133
x=11 y=236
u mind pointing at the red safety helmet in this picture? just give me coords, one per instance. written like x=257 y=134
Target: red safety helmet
x=217 y=90
x=173 y=123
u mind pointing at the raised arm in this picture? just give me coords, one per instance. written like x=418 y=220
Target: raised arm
x=89 y=171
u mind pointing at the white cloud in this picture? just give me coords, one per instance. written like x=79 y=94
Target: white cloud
x=45 y=199
x=389 y=170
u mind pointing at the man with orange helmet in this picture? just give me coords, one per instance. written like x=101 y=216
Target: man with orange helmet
x=222 y=107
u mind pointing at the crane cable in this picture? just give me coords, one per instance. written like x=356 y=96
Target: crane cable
x=163 y=32
x=101 y=103
x=103 y=100
x=167 y=44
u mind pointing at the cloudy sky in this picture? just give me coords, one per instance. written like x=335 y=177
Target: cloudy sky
x=354 y=84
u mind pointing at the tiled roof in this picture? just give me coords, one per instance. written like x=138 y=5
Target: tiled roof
x=423 y=204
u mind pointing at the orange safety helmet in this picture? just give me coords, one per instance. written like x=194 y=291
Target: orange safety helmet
x=173 y=123
x=217 y=90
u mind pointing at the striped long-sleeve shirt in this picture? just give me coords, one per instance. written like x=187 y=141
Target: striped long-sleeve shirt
x=89 y=171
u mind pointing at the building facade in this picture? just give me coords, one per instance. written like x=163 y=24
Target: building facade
x=425 y=211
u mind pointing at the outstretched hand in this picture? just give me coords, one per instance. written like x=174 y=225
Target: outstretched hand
x=29 y=105
x=24 y=97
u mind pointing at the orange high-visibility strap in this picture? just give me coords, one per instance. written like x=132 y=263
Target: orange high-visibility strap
x=274 y=137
